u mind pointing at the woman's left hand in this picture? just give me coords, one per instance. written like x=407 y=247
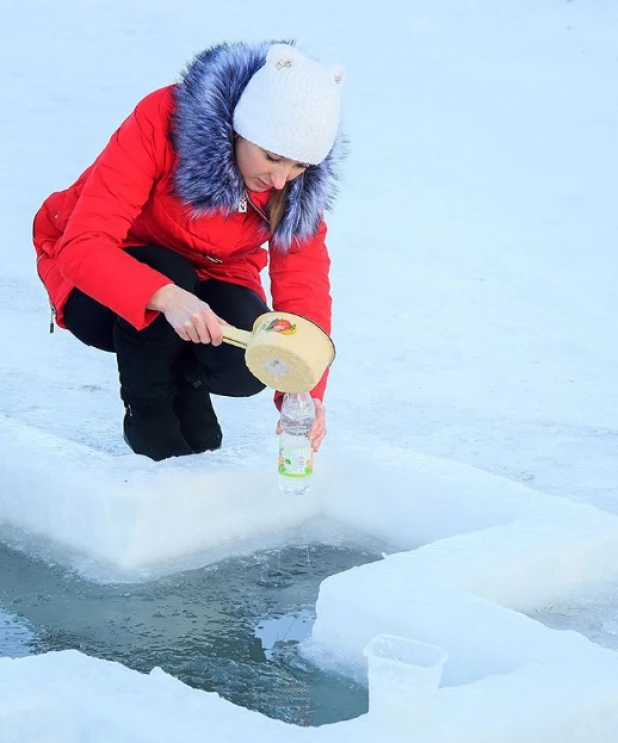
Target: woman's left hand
x=318 y=430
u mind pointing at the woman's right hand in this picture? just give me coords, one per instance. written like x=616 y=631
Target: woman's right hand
x=191 y=318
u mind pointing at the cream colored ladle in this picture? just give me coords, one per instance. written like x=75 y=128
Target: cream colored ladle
x=284 y=351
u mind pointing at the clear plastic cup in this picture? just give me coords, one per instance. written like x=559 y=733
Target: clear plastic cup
x=404 y=677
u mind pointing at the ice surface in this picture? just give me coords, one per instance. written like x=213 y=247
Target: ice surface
x=474 y=275
x=592 y=612
x=131 y=513
x=529 y=550
x=68 y=697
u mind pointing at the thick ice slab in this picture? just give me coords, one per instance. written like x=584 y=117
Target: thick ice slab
x=131 y=513
x=69 y=697
x=491 y=547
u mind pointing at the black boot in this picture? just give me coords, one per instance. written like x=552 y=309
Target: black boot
x=154 y=431
x=193 y=406
x=147 y=389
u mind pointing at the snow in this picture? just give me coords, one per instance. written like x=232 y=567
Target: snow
x=131 y=513
x=475 y=311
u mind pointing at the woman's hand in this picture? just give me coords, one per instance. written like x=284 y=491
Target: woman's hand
x=191 y=318
x=318 y=430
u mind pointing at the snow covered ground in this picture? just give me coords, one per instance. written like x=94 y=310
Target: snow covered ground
x=474 y=268
x=474 y=277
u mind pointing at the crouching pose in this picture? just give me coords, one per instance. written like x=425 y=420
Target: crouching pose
x=161 y=239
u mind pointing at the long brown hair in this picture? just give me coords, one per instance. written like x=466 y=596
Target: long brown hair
x=276 y=203
x=276 y=207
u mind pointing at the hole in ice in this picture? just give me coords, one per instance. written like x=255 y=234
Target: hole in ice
x=232 y=627
x=16 y=638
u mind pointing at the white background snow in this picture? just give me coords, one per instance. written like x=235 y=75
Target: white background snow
x=473 y=244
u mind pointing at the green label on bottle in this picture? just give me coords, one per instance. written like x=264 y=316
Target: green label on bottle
x=295 y=462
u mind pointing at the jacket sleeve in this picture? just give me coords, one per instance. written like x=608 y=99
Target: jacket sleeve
x=299 y=282
x=89 y=253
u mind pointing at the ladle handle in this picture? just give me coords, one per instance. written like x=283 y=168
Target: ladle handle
x=236 y=337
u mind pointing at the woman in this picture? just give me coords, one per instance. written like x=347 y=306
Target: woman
x=160 y=239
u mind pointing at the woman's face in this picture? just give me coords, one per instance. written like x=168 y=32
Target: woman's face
x=261 y=169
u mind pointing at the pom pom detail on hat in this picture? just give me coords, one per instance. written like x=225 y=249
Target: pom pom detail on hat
x=291 y=106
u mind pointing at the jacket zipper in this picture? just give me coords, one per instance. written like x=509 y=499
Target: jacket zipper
x=257 y=208
x=52 y=309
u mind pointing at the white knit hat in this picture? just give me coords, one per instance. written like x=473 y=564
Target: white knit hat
x=291 y=106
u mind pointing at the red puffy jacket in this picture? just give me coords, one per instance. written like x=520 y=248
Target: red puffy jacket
x=127 y=198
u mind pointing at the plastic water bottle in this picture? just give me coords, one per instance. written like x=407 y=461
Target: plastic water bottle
x=295 y=450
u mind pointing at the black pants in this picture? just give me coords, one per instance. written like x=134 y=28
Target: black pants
x=223 y=367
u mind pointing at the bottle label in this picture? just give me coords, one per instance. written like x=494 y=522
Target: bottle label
x=295 y=462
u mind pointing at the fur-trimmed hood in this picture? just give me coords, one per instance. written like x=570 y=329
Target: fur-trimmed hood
x=207 y=176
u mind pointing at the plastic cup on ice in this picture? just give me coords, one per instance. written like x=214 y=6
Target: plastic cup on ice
x=404 y=677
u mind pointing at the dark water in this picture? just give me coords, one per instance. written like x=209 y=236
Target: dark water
x=232 y=627
x=15 y=637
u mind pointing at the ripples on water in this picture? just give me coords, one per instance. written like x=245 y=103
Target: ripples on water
x=16 y=639
x=232 y=627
